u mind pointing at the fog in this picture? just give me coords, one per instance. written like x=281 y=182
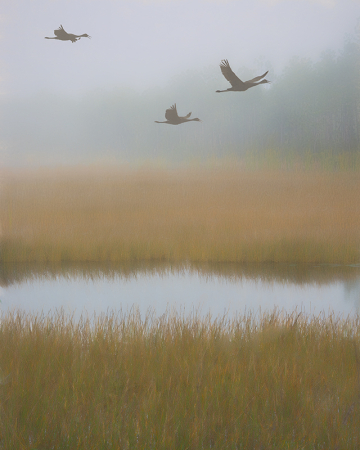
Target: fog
x=97 y=100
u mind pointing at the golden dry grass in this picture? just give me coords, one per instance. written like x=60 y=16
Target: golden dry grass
x=279 y=381
x=180 y=215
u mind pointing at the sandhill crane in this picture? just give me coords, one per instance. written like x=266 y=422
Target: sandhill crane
x=62 y=35
x=236 y=83
x=173 y=118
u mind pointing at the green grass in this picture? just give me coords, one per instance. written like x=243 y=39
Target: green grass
x=271 y=381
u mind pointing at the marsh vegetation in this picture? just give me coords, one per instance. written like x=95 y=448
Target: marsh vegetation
x=204 y=215
x=274 y=381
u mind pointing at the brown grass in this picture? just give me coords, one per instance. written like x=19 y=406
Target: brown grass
x=180 y=215
x=278 y=381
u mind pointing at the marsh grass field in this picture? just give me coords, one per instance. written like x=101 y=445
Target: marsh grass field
x=119 y=381
x=276 y=380
x=208 y=215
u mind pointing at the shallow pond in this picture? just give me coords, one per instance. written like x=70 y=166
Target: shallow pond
x=214 y=288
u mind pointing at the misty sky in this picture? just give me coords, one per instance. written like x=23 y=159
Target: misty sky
x=142 y=43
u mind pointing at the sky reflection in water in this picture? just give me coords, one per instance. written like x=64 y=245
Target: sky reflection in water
x=210 y=288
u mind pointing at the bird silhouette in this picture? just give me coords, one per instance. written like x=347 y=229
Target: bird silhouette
x=236 y=83
x=173 y=118
x=62 y=35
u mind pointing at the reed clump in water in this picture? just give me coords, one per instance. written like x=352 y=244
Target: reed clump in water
x=274 y=381
x=181 y=215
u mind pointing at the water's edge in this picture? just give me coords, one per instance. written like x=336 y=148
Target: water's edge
x=214 y=288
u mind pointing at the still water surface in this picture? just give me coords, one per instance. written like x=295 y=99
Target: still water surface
x=214 y=288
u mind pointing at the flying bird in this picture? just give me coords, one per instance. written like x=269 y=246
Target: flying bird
x=236 y=83
x=173 y=118
x=62 y=35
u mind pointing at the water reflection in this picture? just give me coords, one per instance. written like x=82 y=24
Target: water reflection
x=299 y=274
x=212 y=287
x=352 y=292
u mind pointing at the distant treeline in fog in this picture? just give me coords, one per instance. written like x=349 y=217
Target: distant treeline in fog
x=309 y=107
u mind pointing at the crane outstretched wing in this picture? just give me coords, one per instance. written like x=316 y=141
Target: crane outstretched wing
x=60 y=32
x=257 y=78
x=229 y=74
x=171 y=113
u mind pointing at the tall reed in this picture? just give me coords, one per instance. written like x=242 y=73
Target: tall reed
x=119 y=381
x=181 y=215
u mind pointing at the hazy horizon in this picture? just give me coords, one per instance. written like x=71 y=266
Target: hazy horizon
x=63 y=102
x=142 y=44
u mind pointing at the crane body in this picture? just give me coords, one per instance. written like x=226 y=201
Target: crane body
x=236 y=83
x=62 y=35
x=173 y=118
